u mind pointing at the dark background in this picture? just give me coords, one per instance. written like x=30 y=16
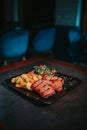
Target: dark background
x=35 y=15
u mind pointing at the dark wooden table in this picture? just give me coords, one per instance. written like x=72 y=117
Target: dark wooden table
x=67 y=113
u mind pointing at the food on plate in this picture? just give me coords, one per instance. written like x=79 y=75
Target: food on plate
x=26 y=80
x=41 y=79
x=48 y=85
x=55 y=82
x=43 y=89
x=43 y=69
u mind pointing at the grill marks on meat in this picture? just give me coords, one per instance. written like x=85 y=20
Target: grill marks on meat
x=55 y=82
x=48 y=85
x=48 y=92
x=43 y=89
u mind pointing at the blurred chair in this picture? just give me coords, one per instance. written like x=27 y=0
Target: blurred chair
x=13 y=44
x=44 y=41
x=75 y=36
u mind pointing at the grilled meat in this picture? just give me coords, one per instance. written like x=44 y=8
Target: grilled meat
x=48 y=85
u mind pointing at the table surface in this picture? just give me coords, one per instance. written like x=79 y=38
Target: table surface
x=68 y=112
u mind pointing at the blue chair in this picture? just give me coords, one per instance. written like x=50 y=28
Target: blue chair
x=14 y=44
x=44 y=40
x=75 y=36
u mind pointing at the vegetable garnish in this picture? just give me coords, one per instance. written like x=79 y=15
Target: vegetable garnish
x=43 y=69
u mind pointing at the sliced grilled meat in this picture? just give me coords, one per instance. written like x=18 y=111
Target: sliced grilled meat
x=48 y=85
x=43 y=89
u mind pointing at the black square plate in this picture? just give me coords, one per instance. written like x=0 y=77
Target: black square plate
x=70 y=82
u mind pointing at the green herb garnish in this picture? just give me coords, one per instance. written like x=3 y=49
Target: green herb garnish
x=43 y=69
